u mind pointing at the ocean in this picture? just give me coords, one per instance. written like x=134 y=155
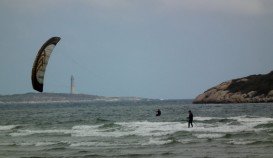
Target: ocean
x=131 y=129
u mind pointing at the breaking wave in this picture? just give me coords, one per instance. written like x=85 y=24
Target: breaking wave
x=202 y=129
x=32 y=132
x=8 y=127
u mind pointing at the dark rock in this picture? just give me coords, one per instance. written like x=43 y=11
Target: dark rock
x=250 y=89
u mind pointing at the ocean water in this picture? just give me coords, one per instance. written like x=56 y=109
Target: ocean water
x=131 y=129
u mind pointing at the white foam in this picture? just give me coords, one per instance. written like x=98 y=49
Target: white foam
x=129 y=128
x=246 y=124
x=45 y=143
x=206 y=118
x=155 y=129
x=156 y=141
x=31 y=132
x=7 y=127
x=240 y=142
x=209 y=135
x=238 y=118
x=152 y=128
x=37 y=143
x=186 y=141
x=26 y=144
x=95 y=131
x=85 y=127
x=89 y=144
x=253 y=120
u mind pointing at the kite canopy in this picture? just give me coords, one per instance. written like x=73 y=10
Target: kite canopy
x=40 y=63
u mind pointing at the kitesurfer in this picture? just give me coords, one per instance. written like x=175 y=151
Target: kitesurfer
x=190 y=119
x=158 y=112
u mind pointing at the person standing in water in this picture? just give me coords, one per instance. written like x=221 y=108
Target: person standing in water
x=190 y=119
x=158 y=112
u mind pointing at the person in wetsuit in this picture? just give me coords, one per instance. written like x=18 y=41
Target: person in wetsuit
x=158 y=112
x=190 y=119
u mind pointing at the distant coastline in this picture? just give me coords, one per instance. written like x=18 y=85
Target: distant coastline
x=60 y=98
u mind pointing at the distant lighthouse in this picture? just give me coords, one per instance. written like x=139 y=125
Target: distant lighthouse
x=72 y=85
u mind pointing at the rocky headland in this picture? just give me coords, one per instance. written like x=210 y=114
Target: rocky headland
x=250 y=89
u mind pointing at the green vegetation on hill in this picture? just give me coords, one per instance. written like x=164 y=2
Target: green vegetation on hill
x=262 y=84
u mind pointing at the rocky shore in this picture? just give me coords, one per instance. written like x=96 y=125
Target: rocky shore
x=250 y=89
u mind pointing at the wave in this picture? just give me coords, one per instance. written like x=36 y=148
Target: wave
x=7 y=144
x=232 y=124
x=266 y=125
x=186 y=141
x=156 y=129
x=88 y=144
x=151 y=141
x=209 y=135
x=258 y=142
x=253 y=120
x=240 y=142
x=32 y=132
x=32 y=143
x=243 y=118
x=250 y=142
x=102 y=155
x=100 y=120
x=45 y=143
x=8 y=127
x=144 y=133
x=202 y=129
x=109 y=125
x=157 y=141
x=121 y=129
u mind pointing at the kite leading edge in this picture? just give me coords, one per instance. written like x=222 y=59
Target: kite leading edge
x=40 y=63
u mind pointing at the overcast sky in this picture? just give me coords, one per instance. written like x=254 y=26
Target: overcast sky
x=173 y=49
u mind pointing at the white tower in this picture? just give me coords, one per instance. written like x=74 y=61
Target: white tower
x=72 y=85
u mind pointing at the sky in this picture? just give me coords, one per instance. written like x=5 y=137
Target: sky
x=163 y=49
